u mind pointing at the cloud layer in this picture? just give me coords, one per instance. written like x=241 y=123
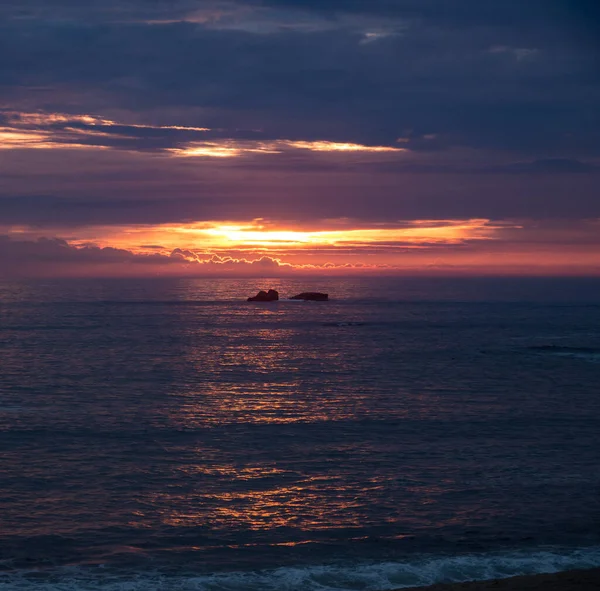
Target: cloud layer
x=133 y=112
x=427 y=246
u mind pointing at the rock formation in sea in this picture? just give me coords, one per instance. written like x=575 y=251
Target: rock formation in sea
x=265 y=296
x=314 y=296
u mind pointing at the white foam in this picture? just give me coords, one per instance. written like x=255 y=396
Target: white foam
x=418 y=571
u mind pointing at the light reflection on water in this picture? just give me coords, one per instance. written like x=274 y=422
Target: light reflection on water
x=162 y=421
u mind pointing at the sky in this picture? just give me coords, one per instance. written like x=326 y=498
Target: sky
x=271 y=137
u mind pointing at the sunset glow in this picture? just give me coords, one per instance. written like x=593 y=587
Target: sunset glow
x=323 y=146
x=299 y=295
x=173 y=139
x=25 y=139
x=56 y=130
x=234 y=149
x=263 y=236
x=222 y=150
x=450 y=232
x=42 y=119
x=343 y=245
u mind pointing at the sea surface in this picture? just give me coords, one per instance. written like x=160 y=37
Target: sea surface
x=167 y=434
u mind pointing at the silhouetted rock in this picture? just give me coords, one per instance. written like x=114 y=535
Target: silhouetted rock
x=265 y=296
x=314 y=296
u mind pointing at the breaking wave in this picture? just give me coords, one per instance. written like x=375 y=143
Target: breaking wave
x=419 y=571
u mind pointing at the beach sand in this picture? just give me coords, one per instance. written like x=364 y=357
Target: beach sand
x=573 y=580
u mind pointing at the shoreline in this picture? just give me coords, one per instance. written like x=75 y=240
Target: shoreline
x=571 y=580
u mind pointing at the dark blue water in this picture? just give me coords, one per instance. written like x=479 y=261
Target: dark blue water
x=168 y=434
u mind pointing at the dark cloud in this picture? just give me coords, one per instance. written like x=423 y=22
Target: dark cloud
x=503 y=95
x=305 y=198
x=105 y=11
x=56 y=257
x=547 y=165
x=53 y=211
x=20 y=255
x=33 y=258
x=460 y=13
x=542 y=166
x=497 y=87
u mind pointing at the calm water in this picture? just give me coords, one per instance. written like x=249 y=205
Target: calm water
x=167 y=434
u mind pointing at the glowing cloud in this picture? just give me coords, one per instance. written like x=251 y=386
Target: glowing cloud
x=231 y=149
x=416 y=233
x=60 y=130
x=46 y=119
x=222 y=149
x=11 y=139
x=324 y=146
x=260 y=246
x=54 y=130
x=259 y=237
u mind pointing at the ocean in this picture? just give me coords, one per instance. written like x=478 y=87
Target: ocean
x=167 y=434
